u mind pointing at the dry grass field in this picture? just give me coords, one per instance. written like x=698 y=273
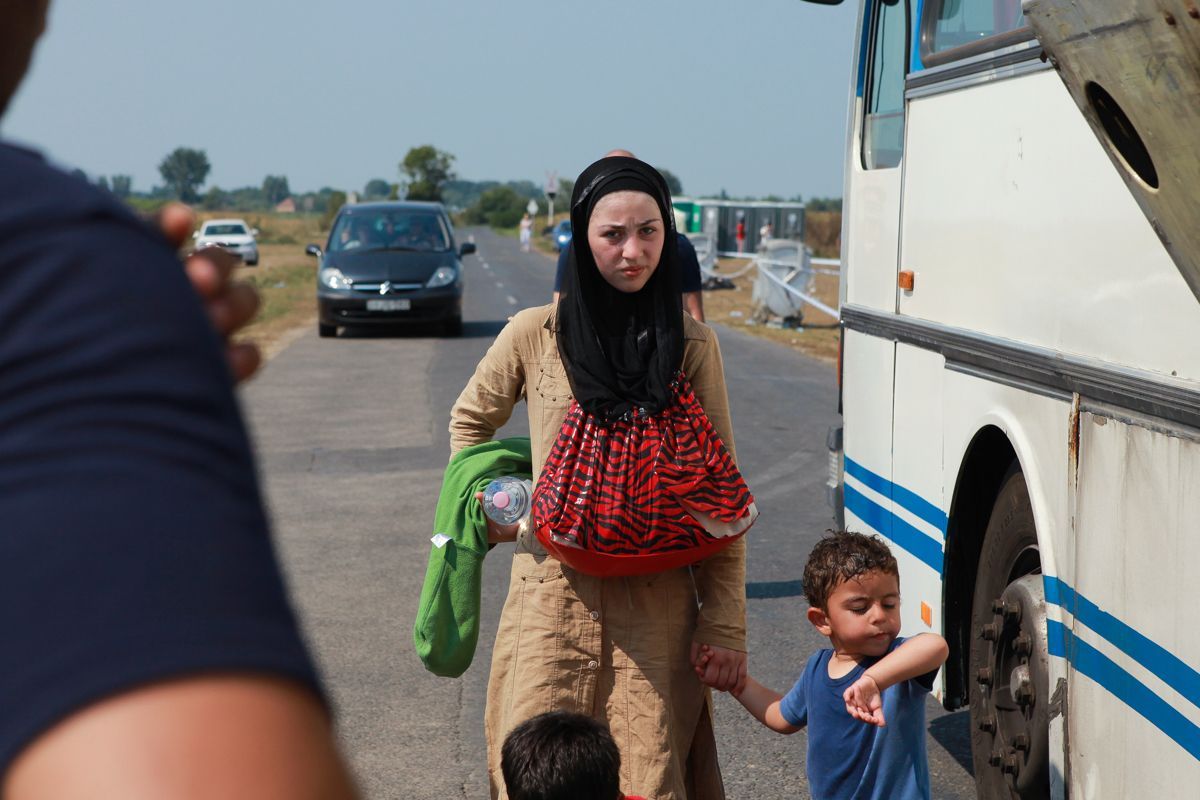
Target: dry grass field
x=285 y=277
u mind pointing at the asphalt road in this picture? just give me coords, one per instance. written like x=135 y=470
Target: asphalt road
x=352 y=441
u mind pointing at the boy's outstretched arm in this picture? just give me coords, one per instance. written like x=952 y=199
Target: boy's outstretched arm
x=760 y=701
x=763 y=703
x=919 y=655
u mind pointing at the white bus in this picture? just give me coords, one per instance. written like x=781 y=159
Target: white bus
x=1020 y=377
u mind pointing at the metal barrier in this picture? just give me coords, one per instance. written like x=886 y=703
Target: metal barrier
x=799 y=270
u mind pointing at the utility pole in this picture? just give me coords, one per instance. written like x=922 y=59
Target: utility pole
x=551 y=191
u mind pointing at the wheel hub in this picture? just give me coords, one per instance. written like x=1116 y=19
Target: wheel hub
x=1015 y=685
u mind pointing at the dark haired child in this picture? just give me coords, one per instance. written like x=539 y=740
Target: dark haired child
x=863 y=699
x=561 y=755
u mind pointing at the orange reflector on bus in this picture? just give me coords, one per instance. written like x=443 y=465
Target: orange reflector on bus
x=926 y=614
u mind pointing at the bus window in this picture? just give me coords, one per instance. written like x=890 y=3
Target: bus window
x=883 y=126
x=954 y=29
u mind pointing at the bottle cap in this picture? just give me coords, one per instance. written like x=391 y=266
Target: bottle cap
x=500 y=500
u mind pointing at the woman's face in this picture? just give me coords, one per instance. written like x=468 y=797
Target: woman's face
x=626 y=234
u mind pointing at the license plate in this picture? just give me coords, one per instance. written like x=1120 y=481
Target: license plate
x=389 y=305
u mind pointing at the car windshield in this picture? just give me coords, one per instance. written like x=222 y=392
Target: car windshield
x=225 y=229
x=389 y=230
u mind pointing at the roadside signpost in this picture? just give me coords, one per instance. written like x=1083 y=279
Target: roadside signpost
x=551 y=190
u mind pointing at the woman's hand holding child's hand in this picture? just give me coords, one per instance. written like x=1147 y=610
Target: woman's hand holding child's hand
x=719 y=667
x=864 y=701
x=498 y=533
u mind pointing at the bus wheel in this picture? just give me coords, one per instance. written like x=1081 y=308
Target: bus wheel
x=1009 y=664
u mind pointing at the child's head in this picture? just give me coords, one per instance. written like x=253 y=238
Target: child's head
x=561 y=756
x=853 y=588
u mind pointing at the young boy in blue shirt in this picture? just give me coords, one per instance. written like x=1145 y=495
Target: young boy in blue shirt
x=863 y=699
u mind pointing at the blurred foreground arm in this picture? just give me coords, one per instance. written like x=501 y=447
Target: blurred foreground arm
x=227 y=737
x=231 y=305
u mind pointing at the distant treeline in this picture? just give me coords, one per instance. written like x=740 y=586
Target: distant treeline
x=427 y=175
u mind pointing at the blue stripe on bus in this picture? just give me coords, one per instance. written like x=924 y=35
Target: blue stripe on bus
x=1169 y=668
x=1101 y=669
x=890 y=526
x=909 y=501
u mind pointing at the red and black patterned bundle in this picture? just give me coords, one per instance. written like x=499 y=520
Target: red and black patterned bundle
x=627 y=497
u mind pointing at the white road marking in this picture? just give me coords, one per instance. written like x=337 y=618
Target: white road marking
x=485 y=266
x=499 y=285
x=512 y=301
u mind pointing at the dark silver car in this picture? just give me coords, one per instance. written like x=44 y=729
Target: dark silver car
x=390 y=263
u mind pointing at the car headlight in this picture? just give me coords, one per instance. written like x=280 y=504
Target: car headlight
x=333 y=278
x=443 y=277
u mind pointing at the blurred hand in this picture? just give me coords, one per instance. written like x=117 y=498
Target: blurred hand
x=231 y=305
x=719 y=667
x=498 y=533
x=864 y=701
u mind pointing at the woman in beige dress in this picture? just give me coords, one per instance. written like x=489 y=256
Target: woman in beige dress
x=620 y=649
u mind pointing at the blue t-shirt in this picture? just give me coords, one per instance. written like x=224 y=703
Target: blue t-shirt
x=852 y=760
x=689 y=266
x=133 y=543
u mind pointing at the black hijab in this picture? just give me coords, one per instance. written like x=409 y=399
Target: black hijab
x=621 y=350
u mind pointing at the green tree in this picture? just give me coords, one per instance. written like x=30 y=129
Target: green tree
x=333 y=205
x=824 y=204
x=376 y=189
x=501 y=207
x=102 y=182
x=427 y=169
x=275 y=189
x=673 y=183
x=122 y=185
x=215 y=198
x=183 y=171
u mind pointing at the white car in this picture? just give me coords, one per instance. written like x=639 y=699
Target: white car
x=233 y=235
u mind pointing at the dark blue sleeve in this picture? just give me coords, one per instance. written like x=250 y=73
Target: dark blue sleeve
x=689 y=266
x=923 y=683
x=561 y=268
x=794 y=705
x=133 y=546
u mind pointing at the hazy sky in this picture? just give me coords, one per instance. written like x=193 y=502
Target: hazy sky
x=745 y=96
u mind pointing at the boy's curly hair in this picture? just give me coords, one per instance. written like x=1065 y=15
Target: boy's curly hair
x=840 y=556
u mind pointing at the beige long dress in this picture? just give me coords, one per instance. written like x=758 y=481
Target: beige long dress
x=617 y=649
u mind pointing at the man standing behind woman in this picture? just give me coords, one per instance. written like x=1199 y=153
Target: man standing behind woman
x=619 y=649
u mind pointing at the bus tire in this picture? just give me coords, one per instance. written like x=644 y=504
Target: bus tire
x=1009 y=661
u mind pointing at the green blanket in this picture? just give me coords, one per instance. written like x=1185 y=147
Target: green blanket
x=447 y=625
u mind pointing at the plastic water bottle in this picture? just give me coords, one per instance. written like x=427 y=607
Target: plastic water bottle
x=507 y=500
